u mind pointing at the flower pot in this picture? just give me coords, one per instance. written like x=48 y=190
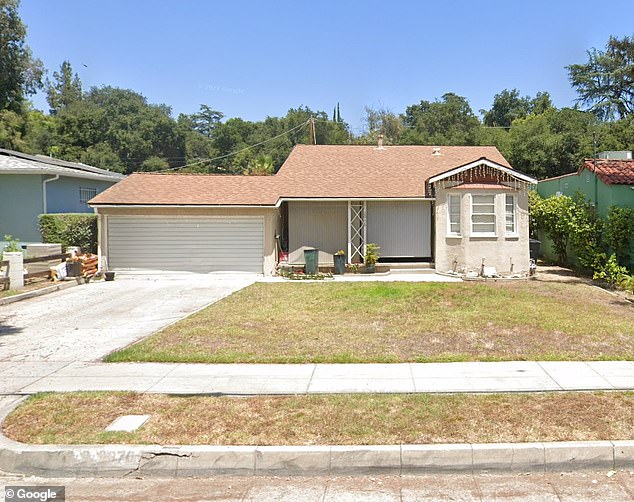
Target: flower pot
x=340 y=264
x=370 y=268
x=109 y=276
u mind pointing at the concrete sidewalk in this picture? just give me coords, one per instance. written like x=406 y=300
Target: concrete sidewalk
x=28 y=377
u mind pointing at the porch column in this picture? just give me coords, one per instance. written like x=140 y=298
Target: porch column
x=349 y=254
x=365 y=228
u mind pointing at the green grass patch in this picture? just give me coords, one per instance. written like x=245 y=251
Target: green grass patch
x=398 y=322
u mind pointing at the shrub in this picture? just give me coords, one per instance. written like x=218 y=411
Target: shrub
x=70 y=229
x=554 y=215
x=586 y=234
x=626 y=282
x=619 y=232
x=611 y=272
x=371 y=253
x=12 y=244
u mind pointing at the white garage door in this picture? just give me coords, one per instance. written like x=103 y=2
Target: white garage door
x=209 y=244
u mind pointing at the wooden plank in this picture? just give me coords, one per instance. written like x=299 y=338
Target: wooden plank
x=43 y=273
x=62 y=256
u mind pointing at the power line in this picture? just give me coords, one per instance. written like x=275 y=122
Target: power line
x=303 y=124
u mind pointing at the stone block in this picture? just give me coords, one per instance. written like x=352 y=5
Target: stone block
x=437 y=458
x=579 y=454
x=365 y=460
x=217 y=460
x=522 y=457
x=287 y=460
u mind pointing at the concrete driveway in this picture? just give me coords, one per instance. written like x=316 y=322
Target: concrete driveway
x=87 y=322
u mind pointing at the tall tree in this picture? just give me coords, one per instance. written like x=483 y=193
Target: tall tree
x=133 y=129
x=206 y=120
x=507 y=106
x=552 y=143
x=382 y=120
x=605 y=83
x=20 y=74
x=448 y=121
x=64 y=89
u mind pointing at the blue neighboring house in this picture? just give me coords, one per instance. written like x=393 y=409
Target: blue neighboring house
x=31 y=185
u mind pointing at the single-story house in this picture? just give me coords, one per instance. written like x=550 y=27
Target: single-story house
x=31 y=185
x=453 y=206
x=605 y=181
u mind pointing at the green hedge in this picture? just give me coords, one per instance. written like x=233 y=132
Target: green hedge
x=70 y=229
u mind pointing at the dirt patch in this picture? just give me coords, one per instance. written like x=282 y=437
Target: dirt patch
x=30 y=285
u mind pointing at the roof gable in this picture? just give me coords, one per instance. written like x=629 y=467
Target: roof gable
x=486 y=162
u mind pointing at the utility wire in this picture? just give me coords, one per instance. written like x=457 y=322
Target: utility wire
x=303 y=124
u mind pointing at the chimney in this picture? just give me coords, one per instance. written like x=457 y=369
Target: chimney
x=435 y=150
x=380 y=145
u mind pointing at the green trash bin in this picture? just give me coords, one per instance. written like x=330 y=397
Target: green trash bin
x=311 y=258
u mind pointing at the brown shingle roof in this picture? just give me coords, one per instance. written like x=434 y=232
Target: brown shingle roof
x=370 y=172
x=612 y=172
x=190 y=189
x=310 y=171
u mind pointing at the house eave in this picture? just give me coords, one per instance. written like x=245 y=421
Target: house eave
x=486 y=162
x=132 y=205
x=65 y=174
x=353 y=199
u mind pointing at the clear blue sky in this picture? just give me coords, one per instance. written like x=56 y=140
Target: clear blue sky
x=253 y=59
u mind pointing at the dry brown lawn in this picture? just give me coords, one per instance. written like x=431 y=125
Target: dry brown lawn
x=80 y=418
x=399 y=322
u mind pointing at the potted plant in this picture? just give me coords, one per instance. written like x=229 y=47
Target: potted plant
x=371 y=257
x=340 y=262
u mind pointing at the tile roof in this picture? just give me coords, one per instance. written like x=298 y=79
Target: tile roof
x=612 y=172
x=12 y=162
x=310 y=171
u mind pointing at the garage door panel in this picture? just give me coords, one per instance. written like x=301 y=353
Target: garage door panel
x=188 y=244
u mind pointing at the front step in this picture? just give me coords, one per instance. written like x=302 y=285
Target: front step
x=410 y=268
x=397 y=271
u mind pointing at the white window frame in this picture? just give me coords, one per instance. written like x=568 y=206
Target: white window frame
x=451 y=197
x=514 y=232
x=86 y=193
x=495 y=219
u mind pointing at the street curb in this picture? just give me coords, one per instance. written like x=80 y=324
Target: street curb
x=207 y=461
x=38 y=292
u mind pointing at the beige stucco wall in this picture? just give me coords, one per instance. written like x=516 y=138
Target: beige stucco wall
x=272 y=224
x=467 y=251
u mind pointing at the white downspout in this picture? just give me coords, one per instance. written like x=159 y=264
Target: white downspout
x=44 y=203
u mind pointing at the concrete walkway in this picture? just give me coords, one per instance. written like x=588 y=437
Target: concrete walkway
x=28 y=377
